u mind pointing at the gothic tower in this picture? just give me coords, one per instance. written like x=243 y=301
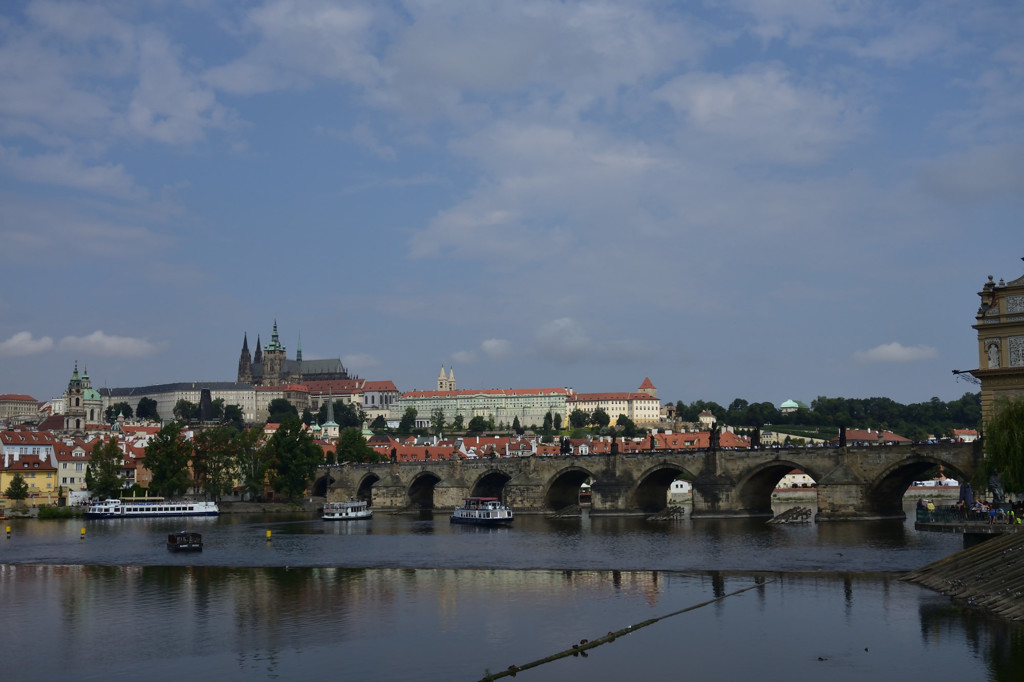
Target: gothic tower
x=245 y=362
x=273 y=361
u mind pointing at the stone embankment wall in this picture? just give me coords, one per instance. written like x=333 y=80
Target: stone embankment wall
x=989 y=576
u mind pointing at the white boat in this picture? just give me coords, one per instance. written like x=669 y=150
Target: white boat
x=483 y=511
x=127 y=509
x=342 y=511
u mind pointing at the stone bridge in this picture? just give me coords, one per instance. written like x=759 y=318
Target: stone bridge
x=852 y=482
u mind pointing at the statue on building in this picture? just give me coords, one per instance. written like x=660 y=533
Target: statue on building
x=993 y=355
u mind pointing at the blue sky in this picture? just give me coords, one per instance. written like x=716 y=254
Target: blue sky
x=763 y=199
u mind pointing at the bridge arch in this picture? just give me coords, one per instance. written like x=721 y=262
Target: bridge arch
x=754 y=489
x=364 y=491
x=491 y=483
x=421 y=490
x=321 y=484
x=651 y=492
x=884 y=495
x=563 y=489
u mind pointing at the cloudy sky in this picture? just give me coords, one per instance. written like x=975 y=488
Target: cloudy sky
x=763 y=199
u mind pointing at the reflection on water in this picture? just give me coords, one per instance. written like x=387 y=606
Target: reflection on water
x=393 y=624
x=403 y=597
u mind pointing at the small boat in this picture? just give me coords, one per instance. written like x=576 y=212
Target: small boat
x=483 y=511
x=185 y=541
x=345 y=511
x=123 y=509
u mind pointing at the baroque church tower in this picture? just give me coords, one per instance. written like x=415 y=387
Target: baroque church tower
x=74 y=405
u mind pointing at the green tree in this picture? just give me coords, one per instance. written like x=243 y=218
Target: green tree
x=558 y=421
x=379 y=424
x=294 y=457
x=280 y=409
x=308 y=418
x=252 y=460
x=185 y=410
x=146 y=409
x=345 y=414
x=103 y=475
x=477 y=425
x=458 y=424
x=600 y=418
x=17 y=489
x=118 y=408
x=437 y=421
x=549 y=422
x=629 y=428
x=408 y=422
x=217 y=409
x=352 y=447
x=168 y=456
x=234 y=417
x=517 y=427
x=578 y=419
x=215 y=460
x=1004 y=444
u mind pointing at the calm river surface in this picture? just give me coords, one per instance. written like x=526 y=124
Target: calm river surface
x=413 y=597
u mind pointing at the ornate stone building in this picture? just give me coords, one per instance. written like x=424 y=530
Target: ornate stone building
x=270 y=366
x=83 y=406
x=1000 y=325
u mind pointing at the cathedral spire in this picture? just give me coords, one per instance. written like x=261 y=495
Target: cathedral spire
x=298 y=353
x=258 y=357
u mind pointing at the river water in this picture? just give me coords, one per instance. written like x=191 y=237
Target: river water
x=413 y=597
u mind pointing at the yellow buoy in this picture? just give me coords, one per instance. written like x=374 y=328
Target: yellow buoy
x=82 y=536
x=268 y=534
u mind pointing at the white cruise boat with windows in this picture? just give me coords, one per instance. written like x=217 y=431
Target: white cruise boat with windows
x=347 y=511
x=483 y=511
x=150 y=506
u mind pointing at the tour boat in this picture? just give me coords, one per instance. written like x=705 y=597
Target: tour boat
x=129 y=509
x=344 y=511
x=185 y=541
x=483 y=511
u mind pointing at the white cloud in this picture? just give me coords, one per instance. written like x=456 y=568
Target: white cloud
x=359 y=361
x=464 y=357
x=169 y=104
x=22 y=344
x=63 y=169
x=895 y=352
x=496 y=349
x=298 y=43
x=100 y=343
x=764 y=113
x=564 y=339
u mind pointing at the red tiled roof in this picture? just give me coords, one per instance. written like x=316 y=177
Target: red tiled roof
x=21 y=397
x=647 y=383
x=487 y=391
x=338 y=387
x=607 y=397
x=21 y=437
x=386 y=385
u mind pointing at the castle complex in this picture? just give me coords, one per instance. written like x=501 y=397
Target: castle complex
x=270 y=366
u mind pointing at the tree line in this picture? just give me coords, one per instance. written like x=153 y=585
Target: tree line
x=221 y=458
x=915 y=421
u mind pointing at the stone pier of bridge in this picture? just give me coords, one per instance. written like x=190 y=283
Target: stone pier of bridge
x=853 y=483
